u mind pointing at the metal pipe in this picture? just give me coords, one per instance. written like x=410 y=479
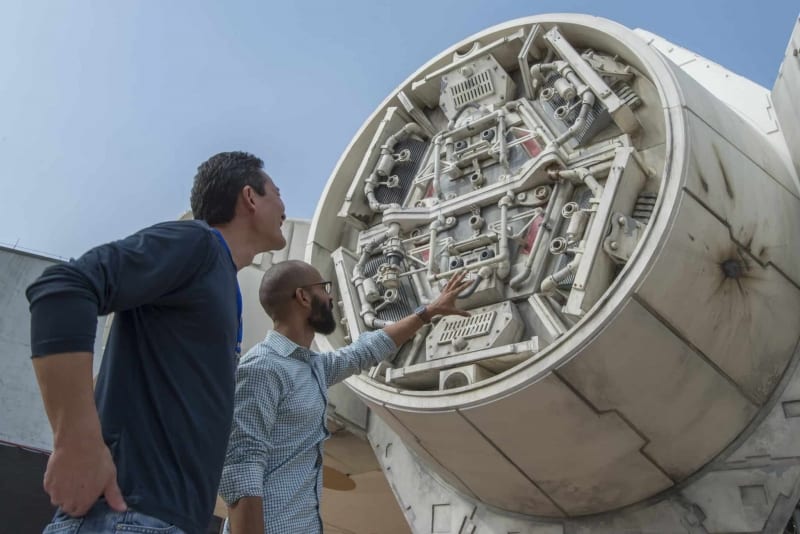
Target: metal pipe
x=501 y=134
x=437 y=166
x=367 y=311
x=550 y=283
x=369 y=190
x=470 y=267
x=576 y=226
x=371 y=320
x=540 y=68
x=504 y=266
x=444 y=261
x=383 y=167
x=581 y=175
x=483 y=274
x=474 y=126
x=471 y=289
x=544 y=230
x=432 y=247
x=448 y=150
x=411 y=128
x=501 y=260
x=587 y=101
x=422 y=286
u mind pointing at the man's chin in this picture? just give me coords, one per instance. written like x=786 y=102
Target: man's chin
x=277 y=244
x=326 y=331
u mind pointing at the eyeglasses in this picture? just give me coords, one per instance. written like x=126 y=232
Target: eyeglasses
x=327 y=286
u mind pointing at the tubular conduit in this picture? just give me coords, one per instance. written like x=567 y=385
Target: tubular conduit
x=367 y=311
x=484 y=273
x=538 y=70
x=444 y=262
x=448 y=149
x=411 y=128
x=369 y=190
x=471 y=127
x=550 y=283
x=501 y=260
x=587 y=97
x=544 y=231
x=503 y=265
x=587 y=101
x=432 y=248
x=576 y=226
x=385 y=164
x=471 y=289
x=581 y=175
x=437 y=166
x=501 y=139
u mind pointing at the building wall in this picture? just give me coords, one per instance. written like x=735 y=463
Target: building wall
x=22 y=419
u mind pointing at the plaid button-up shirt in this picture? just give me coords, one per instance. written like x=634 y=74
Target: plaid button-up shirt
x=275 y=450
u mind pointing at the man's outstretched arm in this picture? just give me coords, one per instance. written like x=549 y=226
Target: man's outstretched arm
x=374 y=347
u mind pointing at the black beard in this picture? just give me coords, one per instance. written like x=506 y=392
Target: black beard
x=322 y=319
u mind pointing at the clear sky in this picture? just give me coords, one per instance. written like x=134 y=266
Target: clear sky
x=107 y=107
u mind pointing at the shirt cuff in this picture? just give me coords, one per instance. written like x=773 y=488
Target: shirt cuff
x=62 y=323
x=384 y=345
x=241 y=480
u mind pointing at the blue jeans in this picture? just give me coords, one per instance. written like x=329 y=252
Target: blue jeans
x=101 y=519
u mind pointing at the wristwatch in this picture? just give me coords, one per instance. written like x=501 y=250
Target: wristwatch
x=422 y=313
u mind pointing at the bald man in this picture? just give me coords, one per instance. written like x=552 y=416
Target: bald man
x=272 y=479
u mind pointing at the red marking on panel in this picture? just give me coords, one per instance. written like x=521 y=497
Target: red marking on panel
x=532 y=147
x=532 y=231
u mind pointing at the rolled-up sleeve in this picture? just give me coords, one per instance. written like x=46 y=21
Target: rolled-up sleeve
x=67 y=298
x=370 y=349
x=259 y=390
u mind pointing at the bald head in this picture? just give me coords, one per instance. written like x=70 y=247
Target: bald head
x=280 y=282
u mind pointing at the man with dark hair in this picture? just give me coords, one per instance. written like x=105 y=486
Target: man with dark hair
x=272 y=478
x=164 y=394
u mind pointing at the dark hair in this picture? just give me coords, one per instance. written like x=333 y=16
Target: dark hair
x=218 y=182
x=280 y=282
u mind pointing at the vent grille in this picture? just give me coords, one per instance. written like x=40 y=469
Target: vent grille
x=472 y=89
x=596 y=119
x=407 y=300
x=627 y=95
x=405 y=171
x=566 y=282
x=469 y=327
x=645 y=204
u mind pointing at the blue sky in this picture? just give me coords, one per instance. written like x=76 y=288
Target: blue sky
x=107 y=108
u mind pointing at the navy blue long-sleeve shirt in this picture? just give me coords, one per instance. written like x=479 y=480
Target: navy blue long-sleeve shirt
x=166 y=384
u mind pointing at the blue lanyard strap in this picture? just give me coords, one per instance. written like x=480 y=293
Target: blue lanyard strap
x=239 y=304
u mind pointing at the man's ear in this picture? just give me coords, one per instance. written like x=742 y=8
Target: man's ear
x=248 y=196
x=303 y=298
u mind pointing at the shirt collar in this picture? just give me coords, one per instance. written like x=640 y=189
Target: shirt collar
x=286 y=347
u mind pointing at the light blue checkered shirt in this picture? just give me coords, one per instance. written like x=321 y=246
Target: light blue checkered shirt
x=275 y=450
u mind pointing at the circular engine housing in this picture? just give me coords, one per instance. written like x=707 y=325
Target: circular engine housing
x=635 y=299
